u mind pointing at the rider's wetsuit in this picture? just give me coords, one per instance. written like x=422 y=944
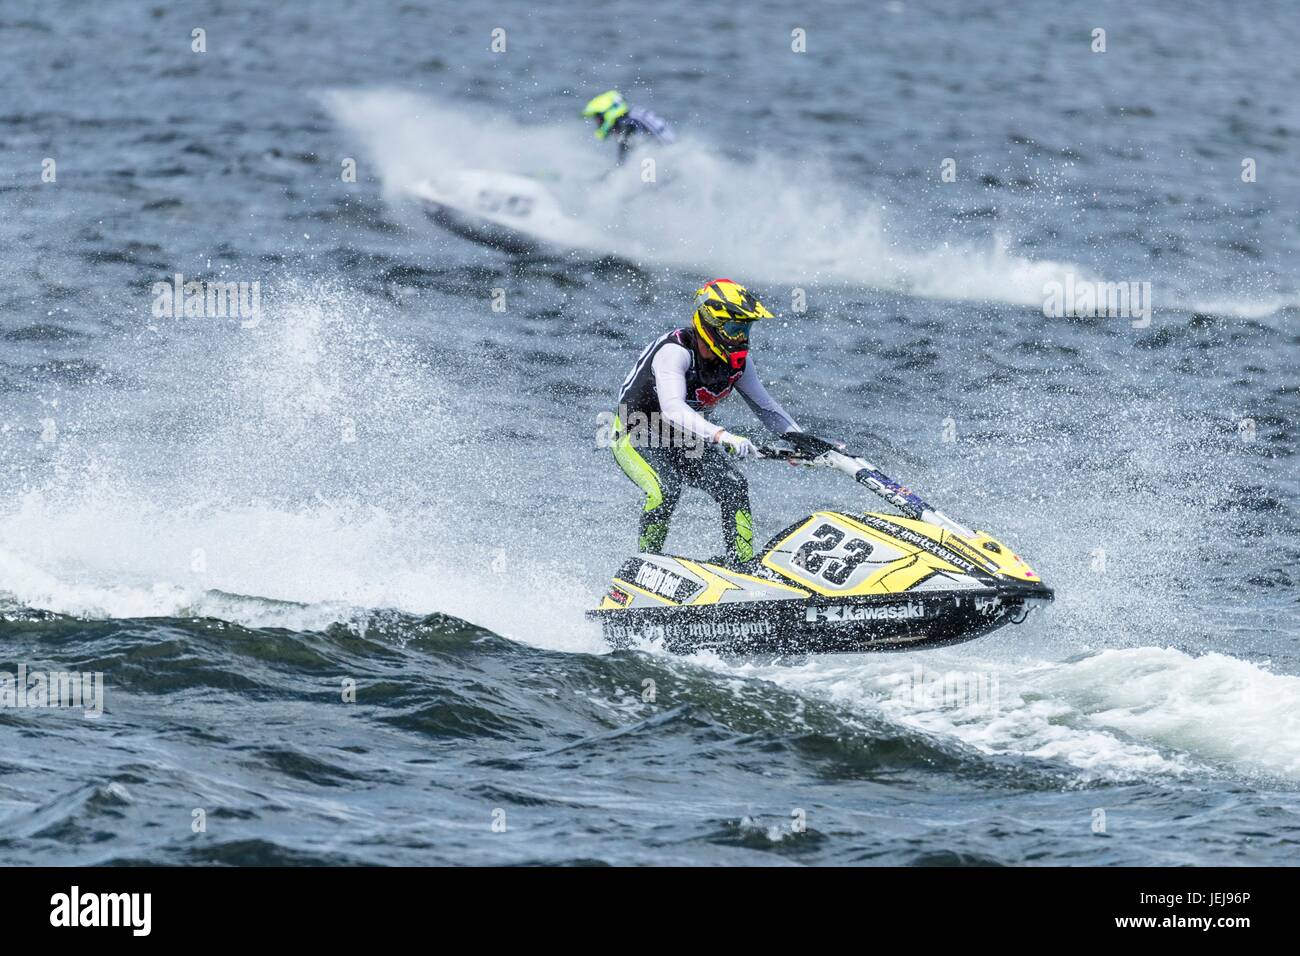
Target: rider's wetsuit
x=662 y=442
x=638 y=122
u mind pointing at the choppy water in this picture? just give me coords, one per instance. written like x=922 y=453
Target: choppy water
x=386 y=482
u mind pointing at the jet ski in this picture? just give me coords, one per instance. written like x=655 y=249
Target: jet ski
x=831 y=582
x=512 y=213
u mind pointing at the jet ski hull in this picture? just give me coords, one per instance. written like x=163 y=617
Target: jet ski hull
x=828 y=584
x=837 y=625
x=513 y=214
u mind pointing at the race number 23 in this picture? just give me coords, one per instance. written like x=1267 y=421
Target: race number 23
x=813 y=555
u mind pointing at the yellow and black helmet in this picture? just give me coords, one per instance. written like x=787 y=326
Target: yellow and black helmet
x=724 y=311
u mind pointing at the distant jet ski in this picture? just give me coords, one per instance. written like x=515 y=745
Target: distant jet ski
x=512 y=213
x=831 y=582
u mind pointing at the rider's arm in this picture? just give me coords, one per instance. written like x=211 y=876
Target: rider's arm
x=651 y=124
x=670 y=366
x=767 y=408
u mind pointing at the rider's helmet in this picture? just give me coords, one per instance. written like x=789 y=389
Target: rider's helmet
x=606 y=110
x=724 y=310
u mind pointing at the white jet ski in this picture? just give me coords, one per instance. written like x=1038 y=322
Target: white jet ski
x=506 y=211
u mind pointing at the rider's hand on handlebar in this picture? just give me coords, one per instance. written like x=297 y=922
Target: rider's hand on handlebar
x=738 y=446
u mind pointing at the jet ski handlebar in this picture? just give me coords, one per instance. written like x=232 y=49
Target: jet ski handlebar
x=819 y=453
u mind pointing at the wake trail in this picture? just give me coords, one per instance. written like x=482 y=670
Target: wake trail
x=783 y=219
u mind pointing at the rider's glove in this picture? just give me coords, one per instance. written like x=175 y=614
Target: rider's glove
x=737 y=446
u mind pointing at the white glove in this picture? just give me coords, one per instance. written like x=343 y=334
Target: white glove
x=737 y=446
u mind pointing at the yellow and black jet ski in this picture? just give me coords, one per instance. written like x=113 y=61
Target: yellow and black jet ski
x=832 y=582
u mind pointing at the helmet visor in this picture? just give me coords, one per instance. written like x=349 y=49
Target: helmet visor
x=731 y=341
x=733 y=334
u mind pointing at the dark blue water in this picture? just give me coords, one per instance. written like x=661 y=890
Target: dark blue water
x=332 y=563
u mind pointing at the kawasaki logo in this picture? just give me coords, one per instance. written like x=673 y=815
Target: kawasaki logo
x=844 y=613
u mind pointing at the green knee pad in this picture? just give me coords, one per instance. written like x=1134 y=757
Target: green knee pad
x=653 y=536
x=744 y=536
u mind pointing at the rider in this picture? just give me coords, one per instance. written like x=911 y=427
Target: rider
x=612 y=115
x=680 y=374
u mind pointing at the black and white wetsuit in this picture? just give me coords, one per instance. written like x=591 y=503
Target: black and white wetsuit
x=671 y=380
x=665 y=442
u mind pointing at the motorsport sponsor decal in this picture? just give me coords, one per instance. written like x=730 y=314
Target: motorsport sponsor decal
x=847 y=613
x=659 y=580
x=965 y=550
x=692 y=629
x=619 y=596
x=920 y=540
